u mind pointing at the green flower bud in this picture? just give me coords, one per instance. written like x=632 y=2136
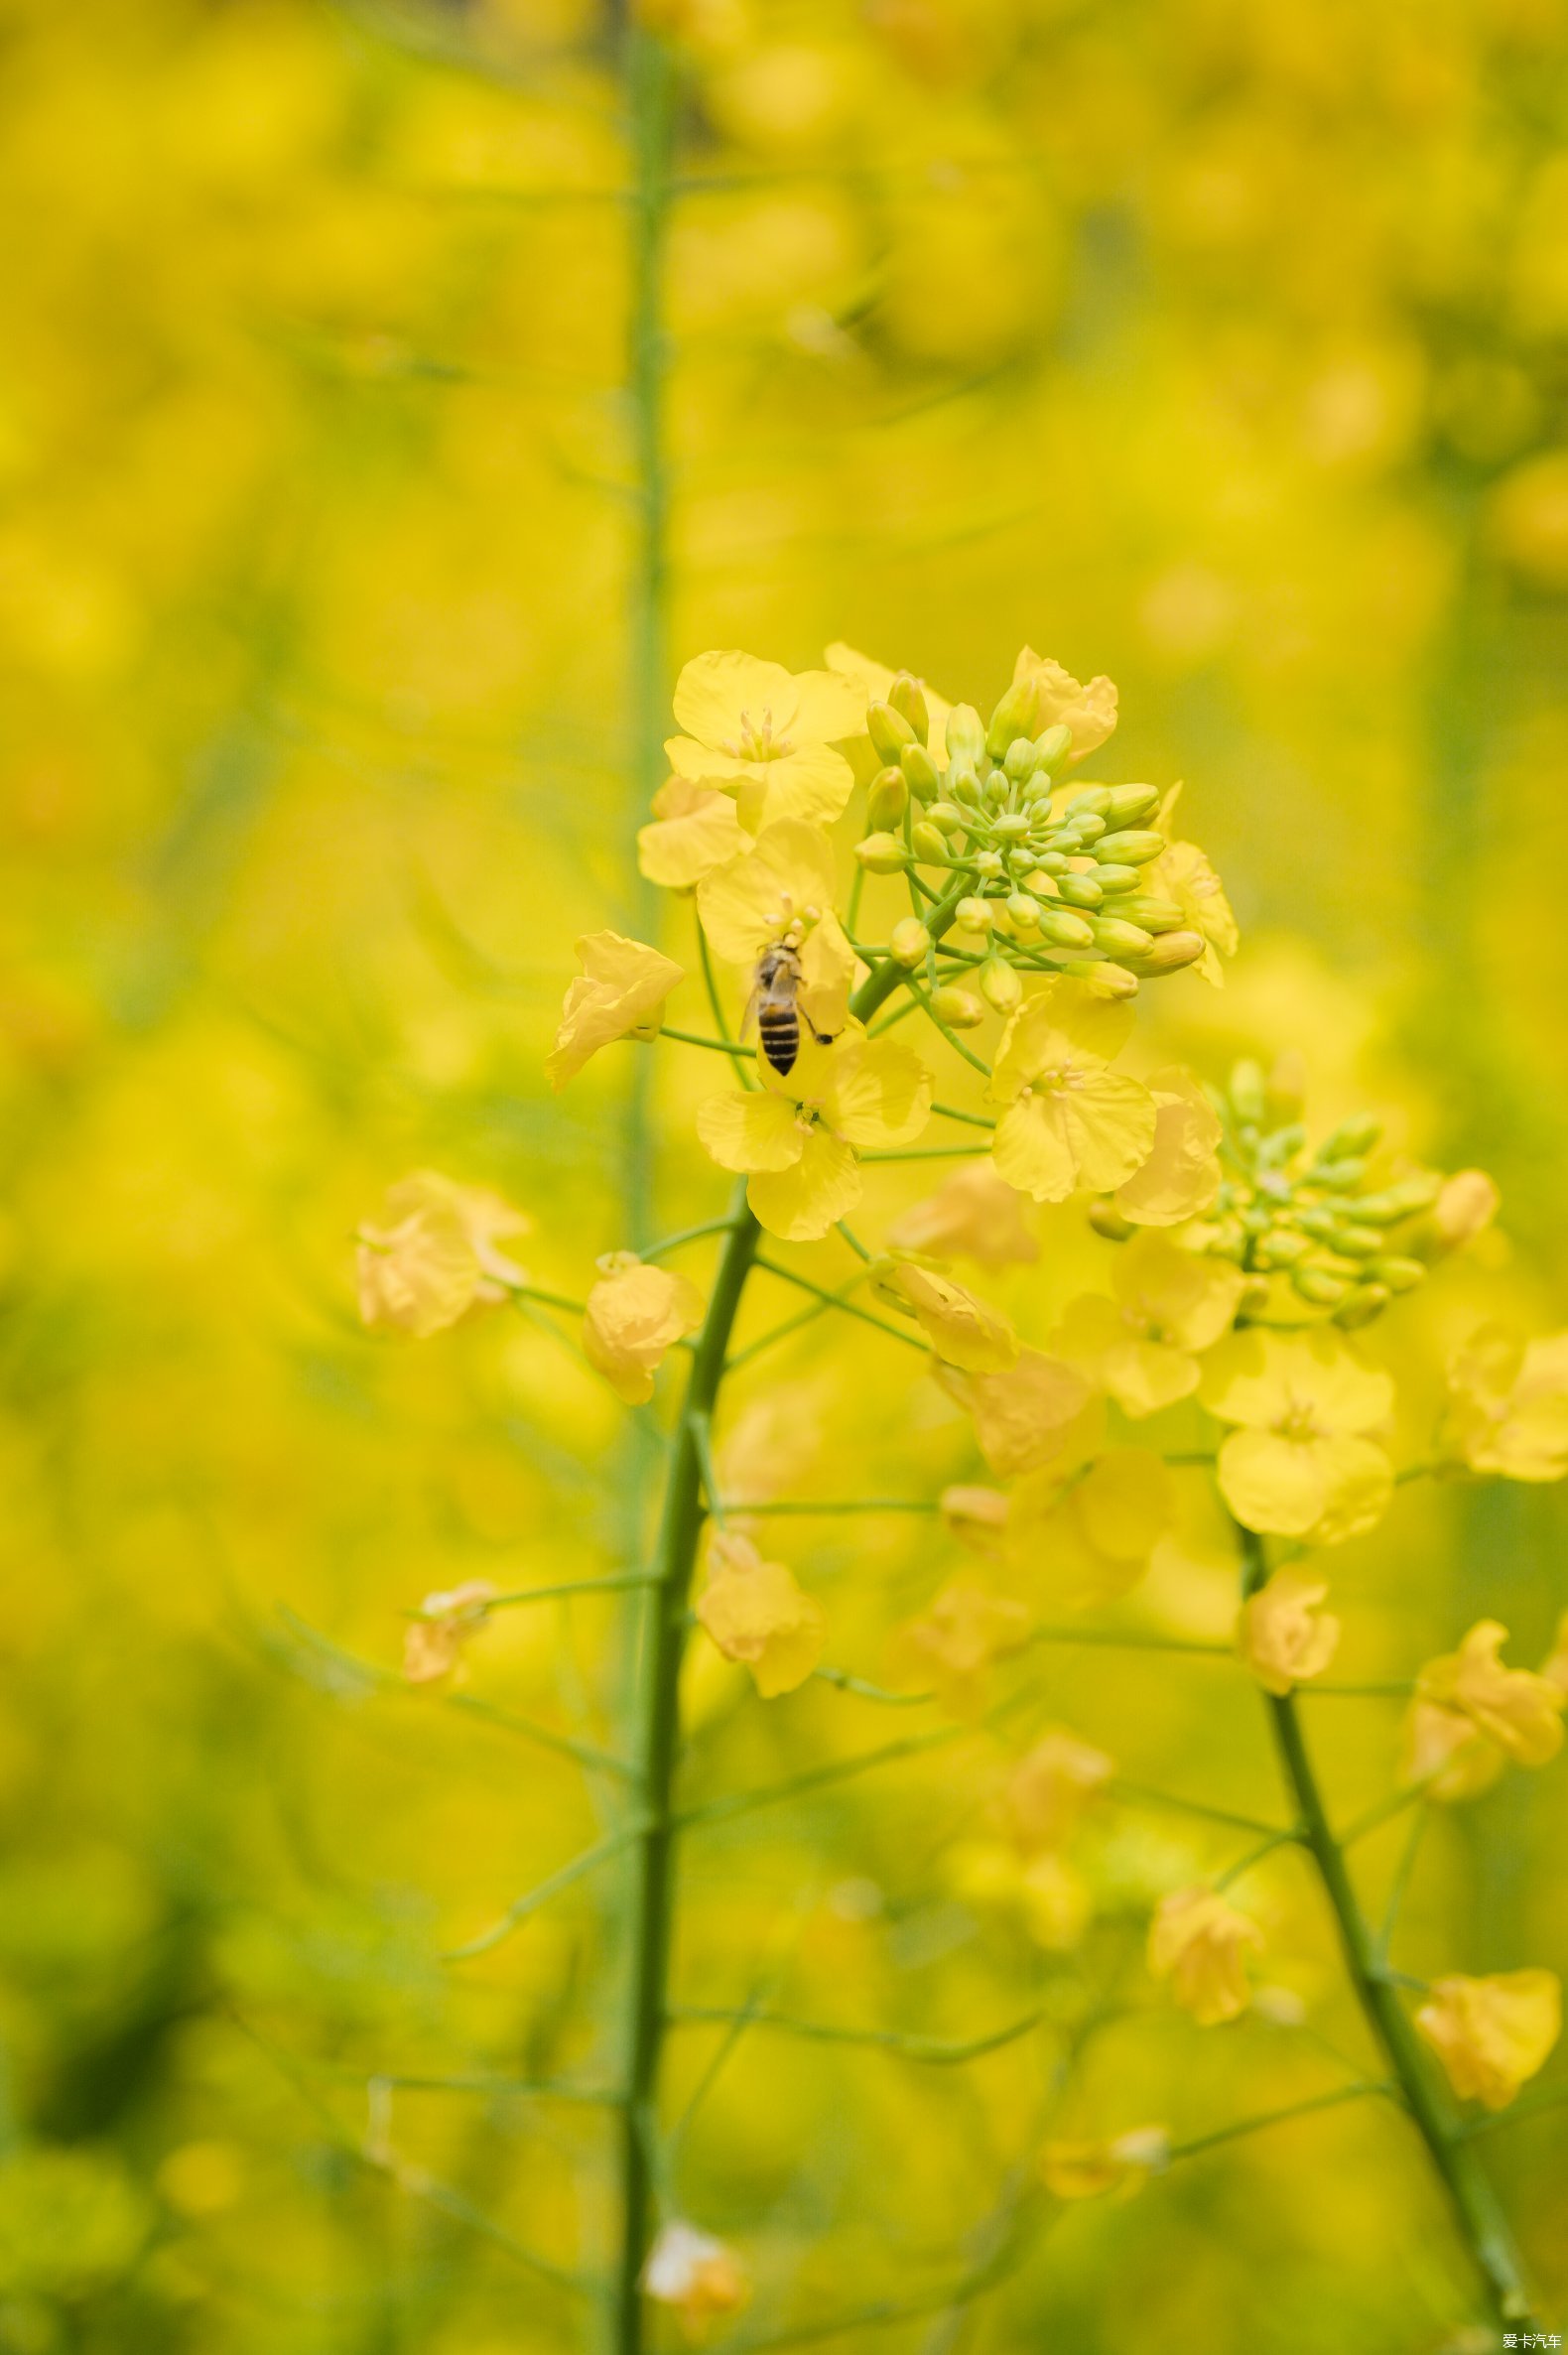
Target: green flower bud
x=972 y=915
x=960 y=1009
x=1090 y=801
x=994 y=790
x=1000 y=984
x=1106 y=1220
x=1052 y=748
x=1358 y=1242
x=1282 y=1247
x=908 y=942
x=1080 y=891
x=988 y=863
x=883 y=853
x=889 y=730
x=1013 y=717
x=1050 y=862
x=1112 y=879
x=1340 y=1176
x=1061 y=929
x=1355 y=1136
x=1399 y=1275
x=1119 y=939
x=1317 y=1284
x=947 y=816
x=966 y=736
x=1011 y=826
x=1155 y=915
x=886 y=798
x=1365 y=1303
x=1018 y=760
x=930 y=842
x=1246 y=1093
x=908 y=700
x=1135 y=847
x=1171 y=952
x=1087 y=826
x=1024 y=911
x=1106 y=980
x=965 y=786
x=1129 y=802
x=1020 y=862
x=1320 y=1224
x=924 y=778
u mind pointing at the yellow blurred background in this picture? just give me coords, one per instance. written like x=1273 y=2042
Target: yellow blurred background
x=1219 y=347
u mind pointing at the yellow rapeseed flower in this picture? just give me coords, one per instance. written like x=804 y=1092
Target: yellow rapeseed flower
x=1071 y=1120
x=620 y=993
x=755 y=1612
x=1200 y=1943
x=1446 y=1752
x=958 y=1639
x=1181 y=1176
x=795 y=1138
x=435 y=1255
x=1182 y=874
x=1090 y=2170
x=781 y=891
x=1508 y=1405
x=1300 y=1462
x=635 y=1316
x=1050 y=1786
x=1086 y=1536
x=1059 y=701
x=963 y=1330
x=1025 y=1416
x=694 y=829
x=1493 y=2034
x=1513 y=1707
x=698 y=2278
x=973 y=1215
x=432 y=1643
x=1283 y=1637
x=1142 y=1346
x=766 y=737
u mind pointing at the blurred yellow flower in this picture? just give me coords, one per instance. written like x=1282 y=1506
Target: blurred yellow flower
x=1048 y=1789
x=694 y=829
x=1284 y=1637
x=620 y=993
x=1141 y=1347
x=1519 y=1711
x=1446 y=1753
x=1071 y=1120
x=635 y=1315
x=977 y=1517
x=1090 y=2170
x=1200 y=1943
x=964 y=1633
x=433 y=1642
x=1181 y=1176
x=1492 y=2033
x=755 y=1612
x=435 y=1255
x=1300 y=1462
x=1465 y=1208
x=973 y=1215
x=1053 y=1902
x=696 y=2276
x=766 y=737
x=1025 y=1416
x=795 y=1138
x=964 y=1330
x=1086 y=1536
x=1508 y=1405
x=1060 y=701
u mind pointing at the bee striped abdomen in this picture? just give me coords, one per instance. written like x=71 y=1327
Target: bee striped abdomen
x=778 y=1027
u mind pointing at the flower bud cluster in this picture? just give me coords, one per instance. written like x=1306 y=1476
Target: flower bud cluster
x=1061 y=874
x=1338 y=1226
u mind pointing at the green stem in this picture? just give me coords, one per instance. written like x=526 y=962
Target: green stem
x=1477 y=2210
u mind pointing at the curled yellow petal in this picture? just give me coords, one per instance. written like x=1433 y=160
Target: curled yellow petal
x=694 y=829
x=635 y=1315
x=1284 y=1636
x=1493 y=2034
x=620 y=992
x=964 y=1330
x=755 y=1612
x=1201 y=1943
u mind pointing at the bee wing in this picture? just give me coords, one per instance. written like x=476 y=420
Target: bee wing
x=748 y=1019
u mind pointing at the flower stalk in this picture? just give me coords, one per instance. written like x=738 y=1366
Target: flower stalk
x=1482 y=2225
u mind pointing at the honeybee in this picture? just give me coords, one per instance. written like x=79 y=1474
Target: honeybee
x=772 y=1004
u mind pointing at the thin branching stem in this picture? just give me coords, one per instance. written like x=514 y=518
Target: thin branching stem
x=937 y=2051
x=1359 y=2092
x=1475 y=2205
